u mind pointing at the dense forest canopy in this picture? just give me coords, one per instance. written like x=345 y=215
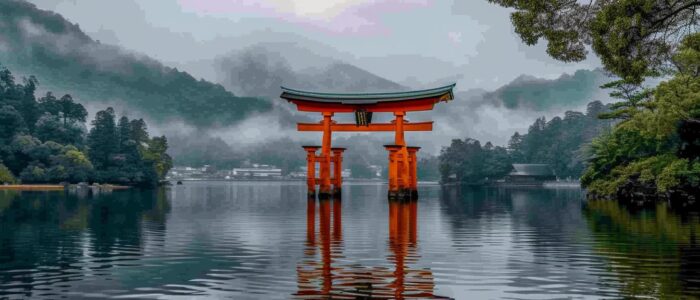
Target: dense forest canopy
x=654 y=148
x=46 y=141
x=44 y=43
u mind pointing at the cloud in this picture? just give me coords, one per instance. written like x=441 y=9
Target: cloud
x=455 y=37
x=357 y=17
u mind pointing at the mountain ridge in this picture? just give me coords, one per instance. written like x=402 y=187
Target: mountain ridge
x=43 y=43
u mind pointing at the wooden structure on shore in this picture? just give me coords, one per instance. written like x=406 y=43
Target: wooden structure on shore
x=403 y=181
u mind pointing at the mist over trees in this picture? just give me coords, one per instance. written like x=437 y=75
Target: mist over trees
x=45 y=141
x=527 y=92
x=560 y=142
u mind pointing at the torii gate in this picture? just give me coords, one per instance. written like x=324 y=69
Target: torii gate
x=403 y=181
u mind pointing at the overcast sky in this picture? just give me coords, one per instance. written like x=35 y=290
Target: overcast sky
x=406 y=41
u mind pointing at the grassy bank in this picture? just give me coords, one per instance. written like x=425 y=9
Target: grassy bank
x=31 y=187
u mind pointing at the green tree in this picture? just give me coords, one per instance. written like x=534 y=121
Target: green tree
x=515 y=148
x=157 y=155
x=103 y=139
x=76 y=163
x=51 y=128
x=139 y=132
x=65 y=108
x=11 y=123
x=34 y=173
x=463 y=160
x=6 y=175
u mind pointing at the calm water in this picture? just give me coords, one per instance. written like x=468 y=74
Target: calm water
x=266 y=241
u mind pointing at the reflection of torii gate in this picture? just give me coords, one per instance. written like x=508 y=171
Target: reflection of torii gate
x=403 y=181
x=325 y=272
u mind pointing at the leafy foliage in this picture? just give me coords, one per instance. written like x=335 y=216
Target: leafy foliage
x=657 y=144
x=633 y=38
x=467 y=161
x=6 y=176
x=53 y=147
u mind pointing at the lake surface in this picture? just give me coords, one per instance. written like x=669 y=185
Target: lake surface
x=265 y=240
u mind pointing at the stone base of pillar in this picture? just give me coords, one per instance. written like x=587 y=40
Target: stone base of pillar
x=337 y=192
x=325 y=194
x=403 y=195
x=414 y=194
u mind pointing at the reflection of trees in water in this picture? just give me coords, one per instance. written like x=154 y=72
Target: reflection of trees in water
x=546 y=212
x=44 y=233
x=653 y=251
x=525 y=234
x=332 y=276
x=536 y=207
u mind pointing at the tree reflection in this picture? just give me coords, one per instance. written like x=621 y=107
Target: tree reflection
x=653 y=251
x=47 y=235
x=330 y=275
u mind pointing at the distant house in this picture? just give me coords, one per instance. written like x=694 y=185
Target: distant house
x=265 y=171
x=530 y=174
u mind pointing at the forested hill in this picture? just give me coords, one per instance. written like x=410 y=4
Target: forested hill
x=43 y=43
x=566 y=92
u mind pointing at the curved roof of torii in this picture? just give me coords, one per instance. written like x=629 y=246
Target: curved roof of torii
x=443 y=93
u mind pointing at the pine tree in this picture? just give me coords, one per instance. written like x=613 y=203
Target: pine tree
x=103 y=139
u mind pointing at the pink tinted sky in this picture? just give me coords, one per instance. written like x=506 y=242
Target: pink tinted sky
x=351 y=17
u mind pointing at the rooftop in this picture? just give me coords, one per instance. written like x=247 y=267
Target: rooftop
x=444 y=93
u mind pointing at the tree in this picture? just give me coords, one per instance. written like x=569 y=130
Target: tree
x=633 y=38
x=6 y=175
x=65 y=108
x=463 y=159
x=11 y=122
x=34 y=173
x=124 y=130
x=139 y=131
x=103 y=139
x=50 y=128
x=515 y=148
x=157 y=154
x=76 y=163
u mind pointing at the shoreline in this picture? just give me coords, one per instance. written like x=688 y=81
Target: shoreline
x=31 y=187
x=57 y=187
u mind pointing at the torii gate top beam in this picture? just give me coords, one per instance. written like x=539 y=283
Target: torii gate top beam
x=370 y=102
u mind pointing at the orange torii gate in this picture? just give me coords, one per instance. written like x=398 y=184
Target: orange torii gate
x=403 y=181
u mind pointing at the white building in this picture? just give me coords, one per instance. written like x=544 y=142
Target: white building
x=257 y=170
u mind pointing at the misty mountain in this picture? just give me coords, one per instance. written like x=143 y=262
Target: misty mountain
x=260 y=70
x=43 y=43
x=567 y=91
